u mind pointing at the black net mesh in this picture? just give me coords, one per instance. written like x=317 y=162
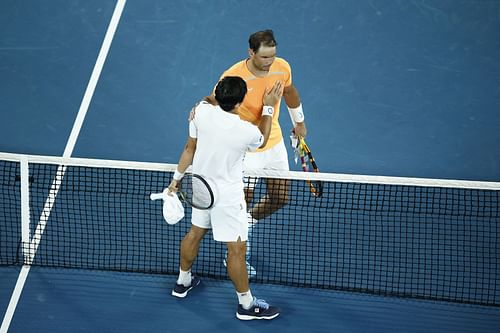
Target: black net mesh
x=409 y=241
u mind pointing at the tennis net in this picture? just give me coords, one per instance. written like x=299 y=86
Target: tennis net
x=418 y=238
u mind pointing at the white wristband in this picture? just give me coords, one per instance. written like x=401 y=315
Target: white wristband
x=297 y=114
x=267 y=110
x=178 y=175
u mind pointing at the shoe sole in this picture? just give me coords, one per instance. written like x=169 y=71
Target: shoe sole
x=184 y=294
x=247 y=317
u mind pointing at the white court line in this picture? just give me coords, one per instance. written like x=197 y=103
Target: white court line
x=47 y=208
x=101 y=58
x=68 y=151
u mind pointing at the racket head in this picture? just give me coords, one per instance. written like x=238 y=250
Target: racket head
x=196 y=192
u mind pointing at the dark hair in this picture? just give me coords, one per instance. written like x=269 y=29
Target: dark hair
x=230 y=91
x=262 y=38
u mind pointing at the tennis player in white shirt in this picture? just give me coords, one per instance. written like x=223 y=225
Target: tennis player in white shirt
x=217 y=143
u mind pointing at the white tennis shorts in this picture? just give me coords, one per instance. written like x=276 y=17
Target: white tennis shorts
x=275 y=158
x=227 y=222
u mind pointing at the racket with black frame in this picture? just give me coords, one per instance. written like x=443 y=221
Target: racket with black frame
x=194 y=190
x=308 y=163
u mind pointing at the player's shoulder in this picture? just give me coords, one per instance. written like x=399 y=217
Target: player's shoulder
x=203 y=107
x=237 y=68
x=282 y=63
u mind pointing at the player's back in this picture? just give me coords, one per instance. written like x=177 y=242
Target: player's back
x=222 y=141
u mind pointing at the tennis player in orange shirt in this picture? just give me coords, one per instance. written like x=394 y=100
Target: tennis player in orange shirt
x=262 y=70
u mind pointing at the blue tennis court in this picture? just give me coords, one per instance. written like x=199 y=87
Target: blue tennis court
x=390 y=88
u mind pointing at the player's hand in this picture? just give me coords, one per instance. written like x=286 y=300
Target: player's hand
x=210 y=99
x=300 y=129
x=273 y=95
x=173 y=187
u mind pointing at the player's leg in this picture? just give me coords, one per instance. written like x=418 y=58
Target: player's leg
x=275 y=199
x=250 y=184
x=230 y=226
x=239 y=214
x=236 y=267
x=249 y=190
x=190 y=246
x=249 y=307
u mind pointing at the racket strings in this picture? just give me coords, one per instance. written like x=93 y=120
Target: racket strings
x=196 y=192
x=202 y=196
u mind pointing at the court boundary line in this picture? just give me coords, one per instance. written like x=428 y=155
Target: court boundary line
x=68 y=151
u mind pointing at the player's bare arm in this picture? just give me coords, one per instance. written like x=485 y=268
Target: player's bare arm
x=185 y=161
x=271 y=97
x=292 y=99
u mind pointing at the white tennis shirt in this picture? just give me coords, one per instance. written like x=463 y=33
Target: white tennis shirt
x=222 y=141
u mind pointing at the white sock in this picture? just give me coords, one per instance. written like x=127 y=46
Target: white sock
x=245 y=299
x=184 y=278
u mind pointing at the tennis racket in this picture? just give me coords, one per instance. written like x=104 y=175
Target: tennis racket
x=195 y=191
x=303 y=152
